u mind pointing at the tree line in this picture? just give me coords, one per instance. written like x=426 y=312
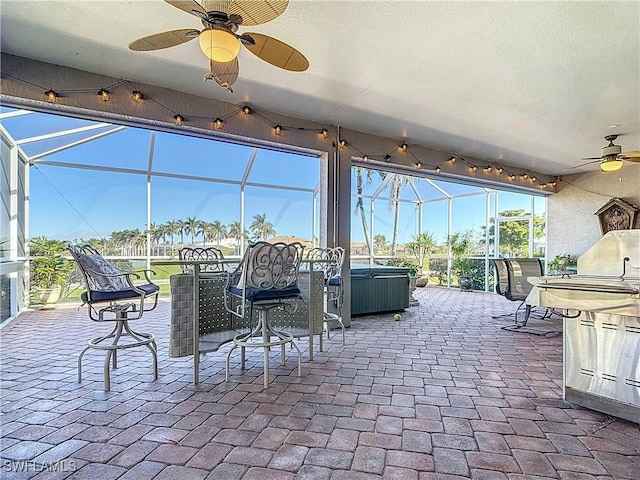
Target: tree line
x=166 y=237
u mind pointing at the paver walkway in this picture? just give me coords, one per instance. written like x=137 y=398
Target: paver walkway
x=442 y=394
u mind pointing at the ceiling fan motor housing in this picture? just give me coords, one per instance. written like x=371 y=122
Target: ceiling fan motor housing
x=610 y=151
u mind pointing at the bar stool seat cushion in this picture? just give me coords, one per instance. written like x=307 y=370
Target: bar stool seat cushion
x=100 y=296
x=257 y=294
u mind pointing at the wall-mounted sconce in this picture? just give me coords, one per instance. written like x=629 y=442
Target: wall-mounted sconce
x=52 y=96
x=104 y=94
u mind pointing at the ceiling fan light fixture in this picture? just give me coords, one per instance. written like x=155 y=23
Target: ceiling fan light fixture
x=219 y=45
x=611 y=165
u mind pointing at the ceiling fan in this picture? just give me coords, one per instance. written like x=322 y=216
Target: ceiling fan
x=611 y=156
x=219 y=40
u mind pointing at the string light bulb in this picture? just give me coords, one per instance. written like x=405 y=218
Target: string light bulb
x=524 y=176
x=178 y=118
x=387 y=158
x=365 y=158
x=473 y=168
x=512 y=176
x=104 y=94
x=452 y=160
x=500 y=169
x=324 y=133
x=488 y=169
x=52 y=95
x=418 y=165
x=277 y=129
x=533 y=179
x=403 y=147
x=218 y=123
x=554 y=183
x=342 y=143
x=137 y=96
x=247 y=110
x=438 y=169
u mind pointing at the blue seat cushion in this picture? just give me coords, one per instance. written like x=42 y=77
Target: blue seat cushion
x=257 y=294
x=98 y=296
x=335 y=281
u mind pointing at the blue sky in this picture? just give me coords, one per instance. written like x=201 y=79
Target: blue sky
x=70 y=203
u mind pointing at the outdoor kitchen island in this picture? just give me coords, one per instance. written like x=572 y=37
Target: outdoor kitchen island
x=601 y=344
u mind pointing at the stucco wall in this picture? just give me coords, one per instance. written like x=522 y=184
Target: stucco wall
x=572 y=226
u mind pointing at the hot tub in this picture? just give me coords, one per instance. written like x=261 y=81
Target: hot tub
x=378 y=288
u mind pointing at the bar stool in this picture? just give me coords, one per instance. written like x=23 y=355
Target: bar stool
x=266 y=279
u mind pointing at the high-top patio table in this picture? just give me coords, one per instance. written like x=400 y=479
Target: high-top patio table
x=200 y=322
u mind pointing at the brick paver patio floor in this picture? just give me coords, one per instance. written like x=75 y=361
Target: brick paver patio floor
x=442 y=394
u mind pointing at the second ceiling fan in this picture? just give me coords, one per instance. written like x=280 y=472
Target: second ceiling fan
x=219 y=40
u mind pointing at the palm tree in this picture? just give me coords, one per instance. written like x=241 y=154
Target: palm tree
x=190 y=226
x=203 y=229
x=360 y=204
x=235 y=232
x=173 y=228
x=217 y=231
x=379 y=244
x=183 y=227
x=397 y=183
x=261 y=228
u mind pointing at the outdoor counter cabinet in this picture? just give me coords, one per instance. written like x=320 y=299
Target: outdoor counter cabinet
x=214 y=326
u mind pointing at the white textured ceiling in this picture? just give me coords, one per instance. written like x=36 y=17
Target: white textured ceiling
x=535 y=85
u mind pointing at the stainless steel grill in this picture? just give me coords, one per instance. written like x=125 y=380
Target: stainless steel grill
x=602 y=326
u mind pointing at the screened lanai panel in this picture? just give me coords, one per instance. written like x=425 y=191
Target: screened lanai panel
x=469 y=213
x=514 y=203
x=42 y=148
x=289 y=212
x=184 y=155
x=384 y=220
x=427 y=191
x=177 y=200
x=455 y=189
x=71 y=204
x=435 y=217
x=127 y=148
x=36 y=124
x=287 y=169
x=371 y=180
x=360 y=219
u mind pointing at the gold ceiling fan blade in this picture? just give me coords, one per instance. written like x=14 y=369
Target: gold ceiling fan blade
x=275 y=52
x=257 y=12
x=162 y=40
x=188 y=6
x=633 y=156
x=225 y=74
